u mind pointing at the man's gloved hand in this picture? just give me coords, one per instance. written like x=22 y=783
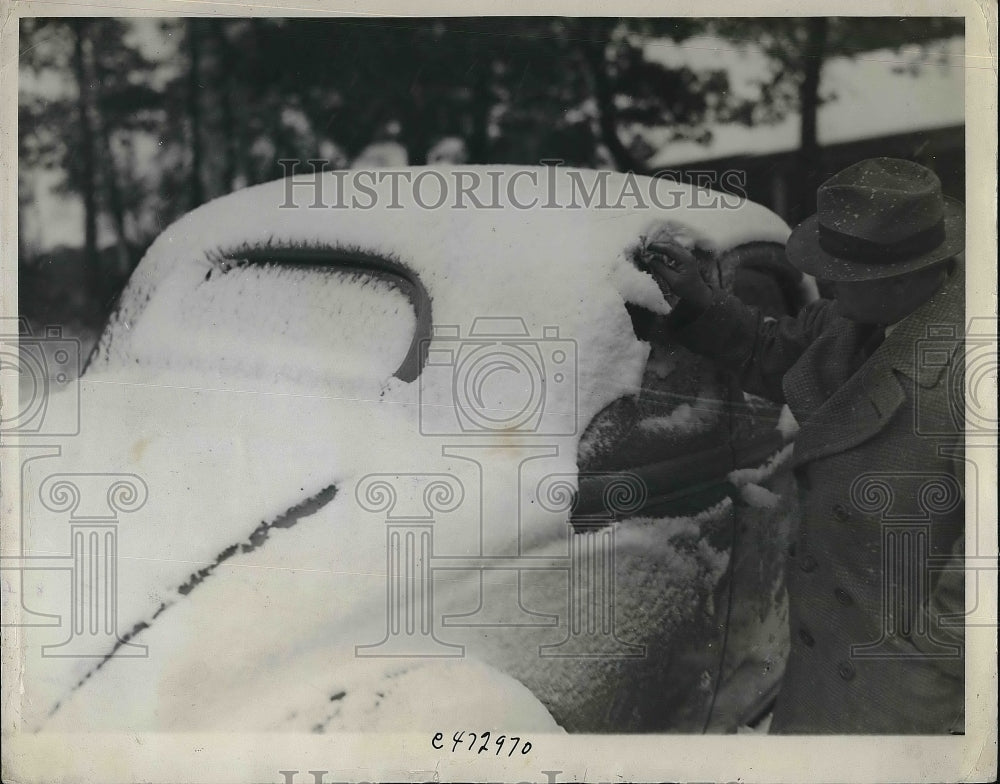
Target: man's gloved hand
x=676 y=271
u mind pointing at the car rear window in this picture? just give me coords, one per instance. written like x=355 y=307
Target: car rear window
x=279 y=315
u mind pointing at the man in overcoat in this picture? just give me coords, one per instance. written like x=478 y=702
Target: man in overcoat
x=874 y=575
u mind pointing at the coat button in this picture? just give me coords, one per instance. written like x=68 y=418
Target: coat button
x=808 y=564
x=843 y=597
x=806 y=637
x=841 y=513
x=846 y=670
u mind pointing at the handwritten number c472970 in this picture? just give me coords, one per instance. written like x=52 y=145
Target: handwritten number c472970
x=499 y=743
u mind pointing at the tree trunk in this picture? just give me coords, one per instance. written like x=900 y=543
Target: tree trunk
x=593 y=45
x=88 y=183
x=230 y=133
x=116 y=203
x=109 y=175
x=197 y=191
x=22 y=247
x=809 y=164
x=482 y=105
x=415 y=137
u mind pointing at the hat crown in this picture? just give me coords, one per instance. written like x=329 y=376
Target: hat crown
x=881 y=200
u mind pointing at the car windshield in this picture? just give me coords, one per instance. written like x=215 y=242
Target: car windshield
x=689 y=425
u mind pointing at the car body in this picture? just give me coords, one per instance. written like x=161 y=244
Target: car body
x=404 y=464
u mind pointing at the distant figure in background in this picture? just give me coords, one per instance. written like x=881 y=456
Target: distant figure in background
x=385 y=152
x=447 y=151
x=888 y=243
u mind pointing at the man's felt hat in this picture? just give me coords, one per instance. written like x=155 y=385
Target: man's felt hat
x=876 y=219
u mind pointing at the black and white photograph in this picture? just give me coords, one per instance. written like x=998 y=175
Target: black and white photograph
x=526 y=394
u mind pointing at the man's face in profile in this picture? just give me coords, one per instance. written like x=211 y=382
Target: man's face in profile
x=887 y=300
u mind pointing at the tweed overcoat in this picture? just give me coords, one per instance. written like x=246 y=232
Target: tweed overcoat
x=874 y=573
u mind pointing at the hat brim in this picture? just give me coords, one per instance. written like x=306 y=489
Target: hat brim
x=806 y=254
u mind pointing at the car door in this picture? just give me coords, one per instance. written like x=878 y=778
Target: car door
x=206 y=395
x=696 y=441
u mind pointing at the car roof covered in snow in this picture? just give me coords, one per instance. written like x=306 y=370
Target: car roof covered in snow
x=484 y=236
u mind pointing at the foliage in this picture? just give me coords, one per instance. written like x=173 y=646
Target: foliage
x=146 y=121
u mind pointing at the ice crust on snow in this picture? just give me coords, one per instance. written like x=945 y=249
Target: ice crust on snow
x=216 y=395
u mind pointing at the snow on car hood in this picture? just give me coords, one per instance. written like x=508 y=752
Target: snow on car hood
x=260 y=561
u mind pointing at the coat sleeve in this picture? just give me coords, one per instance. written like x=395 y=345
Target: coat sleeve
x=945 y=615
x=758 y=351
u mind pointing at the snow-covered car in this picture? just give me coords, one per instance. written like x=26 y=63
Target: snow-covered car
x=376 y=462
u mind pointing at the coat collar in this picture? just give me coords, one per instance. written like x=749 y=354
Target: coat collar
x=937 y=326
x=869 y=399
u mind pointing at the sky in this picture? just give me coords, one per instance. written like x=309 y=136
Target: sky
x=874 y=94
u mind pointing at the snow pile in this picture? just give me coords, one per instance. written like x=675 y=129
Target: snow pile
x=633 y=285
x=758 y=496
x=758 y=475
x=258 y=564
x=683 y=419
x=787 y=425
